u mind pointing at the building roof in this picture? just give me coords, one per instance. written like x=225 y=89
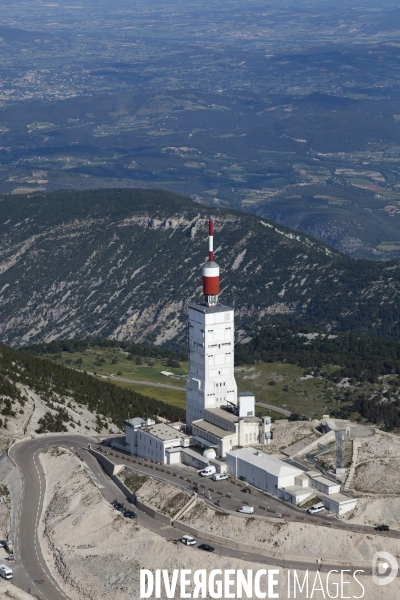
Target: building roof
x=136 y=422
x=296 y=490
x=211 y=428
x=164 y=432
x=339 y=498
x=223 y=414
x=326 y=481
x=210 y=309
x=269 y=463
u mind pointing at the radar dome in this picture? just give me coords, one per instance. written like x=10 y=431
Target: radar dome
x=209 y=453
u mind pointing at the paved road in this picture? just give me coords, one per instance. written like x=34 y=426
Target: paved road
x=186 y=477
x=140 y=382
x=30 y=570
x=275 y=408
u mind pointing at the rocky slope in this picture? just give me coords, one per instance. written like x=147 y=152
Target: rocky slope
x=39 y=395
x=125 y=264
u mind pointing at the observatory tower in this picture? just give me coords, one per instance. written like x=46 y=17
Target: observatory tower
x=211 y=381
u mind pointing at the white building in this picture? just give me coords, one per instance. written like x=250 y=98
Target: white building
x=339 y=503
x=286 y=481
x=132 y=427
x=216 y=415
x=228 y=426
x=325 y=485
x=211 y=381
x=270 y=474
x=154 y=441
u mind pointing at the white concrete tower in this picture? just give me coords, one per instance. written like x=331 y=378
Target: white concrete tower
x=211 y=381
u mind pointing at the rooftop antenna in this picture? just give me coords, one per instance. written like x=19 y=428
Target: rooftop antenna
x=211 y=271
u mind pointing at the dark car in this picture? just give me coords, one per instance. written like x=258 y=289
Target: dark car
x=206 y=547
x=130 y=514
x=382 y=528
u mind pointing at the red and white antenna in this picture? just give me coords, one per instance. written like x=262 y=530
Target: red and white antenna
x=210 y=240
x=211 y=271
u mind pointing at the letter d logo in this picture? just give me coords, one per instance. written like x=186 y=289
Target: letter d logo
x=381 y=563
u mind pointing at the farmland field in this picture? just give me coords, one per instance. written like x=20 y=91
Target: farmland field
x=263 y=107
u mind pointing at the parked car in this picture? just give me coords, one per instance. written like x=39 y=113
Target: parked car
x=206 y=547
x=188 y=540
x=219 y=476
x=316 y=508
x=130 y=514
x=2 y=543
x=207 y=471
x=247 y=510
x=6 y=572
x=382 y=528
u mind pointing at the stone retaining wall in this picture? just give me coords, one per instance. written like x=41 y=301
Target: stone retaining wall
x=109 y=468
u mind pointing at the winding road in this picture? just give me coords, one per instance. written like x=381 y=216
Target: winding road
x=139 y=382
x=30 y=570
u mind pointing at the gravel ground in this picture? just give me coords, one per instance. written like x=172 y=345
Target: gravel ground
x=5 y=504
x=96 y=554
x=377 y=511
x=8 y=591
x=287 y=433
x=377 y=482
x=291 y=537
x=380 y=446
x=380 y=476
x=163 y=497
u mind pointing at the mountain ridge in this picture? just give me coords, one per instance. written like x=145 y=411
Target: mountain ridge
x=125 y=264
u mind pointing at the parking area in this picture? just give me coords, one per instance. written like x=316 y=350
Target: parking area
x=228 y=494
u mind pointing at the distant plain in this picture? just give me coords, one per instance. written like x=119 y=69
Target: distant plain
x=290 y=111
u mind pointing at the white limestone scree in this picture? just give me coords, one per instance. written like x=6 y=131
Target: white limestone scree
x=211 y=381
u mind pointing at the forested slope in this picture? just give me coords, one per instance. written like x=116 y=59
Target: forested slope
x=55 y=383
x=125 y=264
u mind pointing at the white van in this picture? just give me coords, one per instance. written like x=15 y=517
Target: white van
x=247 y=510
x=219 y=476
x=210 y=470
x=188 y=540
x=316 y=508
x=6 y=572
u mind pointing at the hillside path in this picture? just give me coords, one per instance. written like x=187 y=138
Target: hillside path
x=284 y=411
x=140 y=382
